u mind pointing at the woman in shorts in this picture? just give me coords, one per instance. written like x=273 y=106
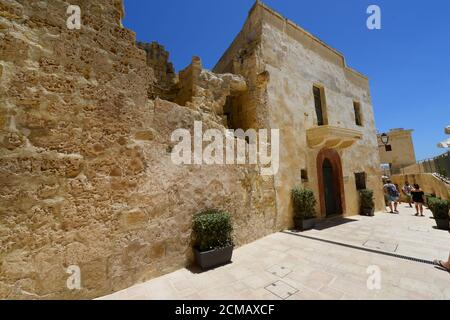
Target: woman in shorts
x=418 y=197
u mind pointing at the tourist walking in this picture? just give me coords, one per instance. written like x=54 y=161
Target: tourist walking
x=418 y=197
x=392 y=194
x=443 y=264
x=399 y=200
x=407 y=188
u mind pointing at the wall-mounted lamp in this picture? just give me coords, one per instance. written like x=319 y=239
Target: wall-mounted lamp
x=385 y=140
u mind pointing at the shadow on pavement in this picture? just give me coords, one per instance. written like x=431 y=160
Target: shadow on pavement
x=332 y=222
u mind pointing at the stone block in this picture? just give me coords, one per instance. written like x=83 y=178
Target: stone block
x=145 y=135
x=134 y=219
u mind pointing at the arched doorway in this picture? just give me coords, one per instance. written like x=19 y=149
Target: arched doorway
x=331 y=183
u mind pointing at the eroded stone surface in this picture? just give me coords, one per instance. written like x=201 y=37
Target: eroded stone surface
x=85 y=175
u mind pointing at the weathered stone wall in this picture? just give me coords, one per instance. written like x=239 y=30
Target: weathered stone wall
x=248 y=110
x=165 y=77
x=427 y=182
x=205 y=91
x=158 y=60
x=85 y=169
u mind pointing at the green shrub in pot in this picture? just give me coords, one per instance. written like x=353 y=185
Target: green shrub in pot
x=212 y=230
x=304 y=208
x=439 y=208
x=213 y=241
x=428 y=196
x=367 y=203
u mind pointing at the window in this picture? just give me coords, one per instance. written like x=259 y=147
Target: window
x=358 y=116
x=360 y=180
x=304 y=175
x=319 y=105
x=233 y=112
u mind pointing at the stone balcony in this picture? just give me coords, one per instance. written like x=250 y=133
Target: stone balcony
x=332 y=137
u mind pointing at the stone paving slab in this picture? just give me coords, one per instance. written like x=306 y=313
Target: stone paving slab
x=286 y=266
x=381 y=245
x=279 y=271
x=281 y=289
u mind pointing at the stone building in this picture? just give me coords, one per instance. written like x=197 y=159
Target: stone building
x=400 y=152
x=323 y=108
x=86 y=118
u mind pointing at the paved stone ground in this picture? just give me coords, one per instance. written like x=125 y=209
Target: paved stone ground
x=290 y=266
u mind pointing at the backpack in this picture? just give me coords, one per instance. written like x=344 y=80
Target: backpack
x=392 y=190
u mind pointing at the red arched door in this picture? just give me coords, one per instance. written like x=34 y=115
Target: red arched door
x=331 y=183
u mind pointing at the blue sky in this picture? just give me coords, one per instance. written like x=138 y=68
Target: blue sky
x=407 y=61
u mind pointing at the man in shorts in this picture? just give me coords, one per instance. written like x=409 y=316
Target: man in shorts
x=407 y=188
x=392 y=194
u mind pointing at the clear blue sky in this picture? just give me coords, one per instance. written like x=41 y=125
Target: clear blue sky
x=407 y=61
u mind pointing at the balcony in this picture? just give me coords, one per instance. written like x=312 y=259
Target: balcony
x=332 y=137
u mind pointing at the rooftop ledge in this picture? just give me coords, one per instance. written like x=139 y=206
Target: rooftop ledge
x=332 y=137
x=260 y=4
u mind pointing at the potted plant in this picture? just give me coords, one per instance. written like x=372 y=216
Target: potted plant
x=440 y=208
x=212 y=235
x=304 y=208
x=427 y=197
x=367 y=203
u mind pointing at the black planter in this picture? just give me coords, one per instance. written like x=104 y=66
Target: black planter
x=214 y=258
x=442 y=224
x=302 y=224
x=370 y=212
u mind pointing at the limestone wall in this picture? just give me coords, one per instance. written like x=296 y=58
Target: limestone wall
x=413 y=169
x=164 y=72
x=427 y=182
x=402 y=154
x=249 y=109
x=85 y=170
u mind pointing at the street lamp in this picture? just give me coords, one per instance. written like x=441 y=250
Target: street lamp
x=385 y=140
